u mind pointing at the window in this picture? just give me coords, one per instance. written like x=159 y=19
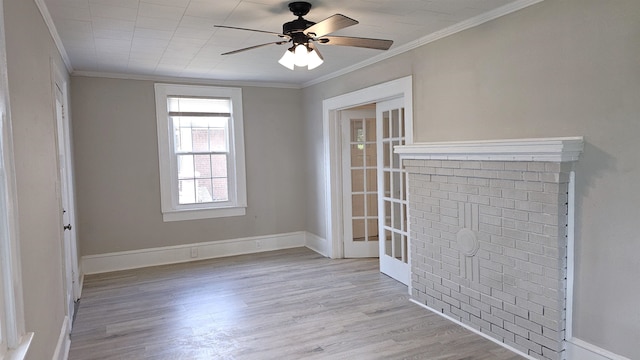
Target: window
x=201 y=148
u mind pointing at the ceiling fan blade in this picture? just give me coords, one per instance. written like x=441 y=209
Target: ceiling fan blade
x=254 y=47
x=329 y=25
x=378 y=44
x=260 y=31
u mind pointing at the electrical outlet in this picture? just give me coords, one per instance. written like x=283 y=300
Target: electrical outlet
x=194 y=252
x=258 y=244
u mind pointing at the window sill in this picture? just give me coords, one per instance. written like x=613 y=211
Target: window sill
x=20 y=352
x=196 y=214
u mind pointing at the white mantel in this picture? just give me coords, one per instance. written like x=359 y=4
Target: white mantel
x=559 y=149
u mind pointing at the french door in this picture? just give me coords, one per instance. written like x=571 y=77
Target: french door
x=392 y=202
x=360 y=185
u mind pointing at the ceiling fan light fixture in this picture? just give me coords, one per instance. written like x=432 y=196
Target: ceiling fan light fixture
x=288 y=59
x=301 y=55
x=314 y=59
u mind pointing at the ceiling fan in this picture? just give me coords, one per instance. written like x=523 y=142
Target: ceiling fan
x=303 y=34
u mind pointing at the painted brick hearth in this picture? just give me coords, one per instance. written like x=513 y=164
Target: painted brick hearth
x=488 y=234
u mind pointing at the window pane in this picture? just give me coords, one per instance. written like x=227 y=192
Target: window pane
x=186 y=192
x=202 y=166
x=200 y=139
x=185 y=167
x=182 y=131
x=199 y=105
x=204 y=191
x=219 y=165
x=218 y=139
x=220 y=190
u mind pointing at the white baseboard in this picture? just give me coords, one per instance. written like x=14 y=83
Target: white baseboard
x=577 y=349
x=64 y=341
x=317 y=244
x=526 y=356
x=94 y=264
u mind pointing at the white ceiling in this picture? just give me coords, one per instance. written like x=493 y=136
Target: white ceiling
x=176 y=37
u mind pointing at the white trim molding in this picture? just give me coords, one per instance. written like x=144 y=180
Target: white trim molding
x=101 y=263
x=46 y=16
x=560 y=149
x=577 y=349
x=317 y=244
x=64 y=341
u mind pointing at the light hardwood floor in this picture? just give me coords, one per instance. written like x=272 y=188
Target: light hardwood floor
x=291 y=304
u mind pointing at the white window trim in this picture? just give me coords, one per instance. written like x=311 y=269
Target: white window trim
x=237 y=204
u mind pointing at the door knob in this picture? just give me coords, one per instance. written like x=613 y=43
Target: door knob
x=67 y=227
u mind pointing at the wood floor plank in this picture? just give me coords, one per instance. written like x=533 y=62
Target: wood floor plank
x=289 y=304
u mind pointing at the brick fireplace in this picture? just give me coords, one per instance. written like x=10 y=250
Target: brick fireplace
x=490 y=232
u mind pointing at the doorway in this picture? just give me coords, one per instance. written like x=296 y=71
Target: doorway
x=332 y=130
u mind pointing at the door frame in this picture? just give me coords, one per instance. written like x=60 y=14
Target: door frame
x=58 y=80
x=332 y=148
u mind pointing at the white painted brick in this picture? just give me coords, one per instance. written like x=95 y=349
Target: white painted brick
x=463 y=172
x=464 y=299
x=516 y=194
x=530 y=176
x=444 y=171
x=544 y=261
x=504 y=315
x=503 y=241
x=478 y=199
x=492 y=265
x=439 y=194
x=507 y=298
x=516 y=234
x=502 y=203
x=483 y=324
x=449 y=187
x=450 y=164
x=511 y=327
x=489 y=210
x=516 y=165
x=516 y=310
x=451 y=301
x=530 y=186
x=468 y=189
x=460 y=314
x=529 y=325
x=470 y=292
x=494 y=285
x=554 y=304
x=489 y=191
x=530 y=227
x=487 y=174
x=458 y=180
x=458 y=197
x=470 y=309
x=492 y=165
x=433 y=163
x=470 y=164
x=490 y=229
x=535 y=166
x=478 y=181
x=516 y=253
x=552 y=167
x=552 y=188
x=492 y=319
x=552 y=355
x=515 y=214
x=449 y=204
x=509 y=223
x=552 y=325
x=550 y=209
x=548 y=343
x=503 y=184
x=530 y=247
x=515 y=291
x=504 y=260
x=546 y=219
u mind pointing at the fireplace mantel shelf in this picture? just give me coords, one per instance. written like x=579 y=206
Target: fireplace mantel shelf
x=560 y=149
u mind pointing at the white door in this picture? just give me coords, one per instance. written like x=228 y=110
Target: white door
x=66 y=200
x=360 y=187
x=392 y=204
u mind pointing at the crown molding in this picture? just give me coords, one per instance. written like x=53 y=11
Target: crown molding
x=448 y=31
x=46 y=16
x=561 y=149
x=198 y=81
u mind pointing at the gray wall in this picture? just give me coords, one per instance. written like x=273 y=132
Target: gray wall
x=558 y=68
x=29 y=53
x=116 y=162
